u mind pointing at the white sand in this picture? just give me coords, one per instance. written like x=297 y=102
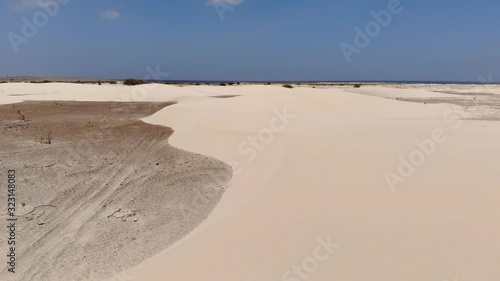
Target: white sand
x=323 y=175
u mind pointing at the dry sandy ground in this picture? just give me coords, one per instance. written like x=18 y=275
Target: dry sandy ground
x=320 y=189
x=106 y=193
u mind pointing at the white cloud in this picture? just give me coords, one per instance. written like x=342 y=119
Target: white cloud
x=110 y=15
x=26 y=5
x=225 y=2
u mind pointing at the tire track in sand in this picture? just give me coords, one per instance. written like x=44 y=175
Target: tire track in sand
x=66 y=227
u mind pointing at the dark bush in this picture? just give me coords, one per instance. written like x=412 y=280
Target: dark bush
x=222 y=84
x=357 y=85
x=231 y=83
x=288 y=86
x=133 y=82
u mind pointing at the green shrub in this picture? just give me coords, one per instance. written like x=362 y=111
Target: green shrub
x=288 y=86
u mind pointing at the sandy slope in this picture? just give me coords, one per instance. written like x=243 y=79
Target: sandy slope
x=106 y=192
x=324 y=176
x=320 y=174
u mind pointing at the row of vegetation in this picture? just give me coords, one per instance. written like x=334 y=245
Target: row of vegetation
x=134 y=82
x=229 y=83
x=96 y=82
x=290 y=86
x=77 y=82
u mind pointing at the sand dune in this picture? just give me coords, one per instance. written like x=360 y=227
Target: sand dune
x=330 y=183
x=323 y=176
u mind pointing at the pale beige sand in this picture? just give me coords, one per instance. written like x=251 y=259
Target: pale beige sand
x=323 y=176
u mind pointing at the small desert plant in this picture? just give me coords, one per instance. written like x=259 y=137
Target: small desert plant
x=288 y=86
x=21 y=115
x=231 y=83
x=1 y=82
x=45 y=81
x=267 y=84
x=133 y=82
x=357 y=85
x=222 y=84
x=112 y=82
x=47 y=140
x=237 y=83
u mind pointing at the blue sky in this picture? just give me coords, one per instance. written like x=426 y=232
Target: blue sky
x=253 y=40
